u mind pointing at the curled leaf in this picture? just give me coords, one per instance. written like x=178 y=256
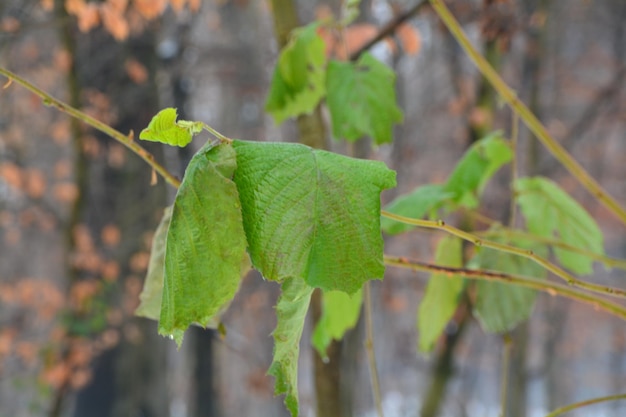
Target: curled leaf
x=165 y=129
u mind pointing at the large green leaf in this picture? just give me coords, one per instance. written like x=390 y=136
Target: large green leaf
x=165 y=129
x=500 y=307
x=362 y=99
x=206 y=243
x=290 y=313
x=312 y=214
x=152 y=293
x=340 y=313
x=442 y=294
x=415 y=205
x=550 y=212
x=298 y=81
x=476 y=167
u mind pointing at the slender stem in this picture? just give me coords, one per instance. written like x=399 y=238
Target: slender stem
x=369 y=348
x=475 y=215
x=552 y=288
x=218 y=135
x=126 y=140
x=527 y=116
x=514 y=135
x=581 y=404
x=504 y=375
x=606 y=260
x=388 y=29
x=525 y=253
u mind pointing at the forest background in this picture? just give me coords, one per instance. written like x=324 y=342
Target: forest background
x=77 y=212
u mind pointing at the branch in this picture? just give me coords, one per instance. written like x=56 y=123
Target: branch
x=606 y=260
x=126 y=140
x=476 y=240
x=551 y=288
x=581 y=404
x=527 y=116
x=389 y=29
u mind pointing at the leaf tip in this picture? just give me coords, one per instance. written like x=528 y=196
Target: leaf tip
x=176 y=335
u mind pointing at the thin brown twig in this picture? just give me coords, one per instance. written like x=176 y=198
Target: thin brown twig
x=126 y=140
x=581 y=404
x=524 y=253
x=389 y=29
x=551 y=288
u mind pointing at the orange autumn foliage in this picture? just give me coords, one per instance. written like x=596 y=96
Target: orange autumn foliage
x=136 y=71
x=150 y=9
x=111 y=235
x=354 y=37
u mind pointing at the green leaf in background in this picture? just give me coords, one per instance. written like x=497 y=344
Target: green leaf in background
x=340 y=313
x=442 y=294
x=206 y=243
x=165 y=129
x=298 y=83
x=312 y=214
x=551 y=212
x=350 y=11
x=414 y=205
x=500 y=307
x=291 y=309
x=362 y=99
x=152 y=293
x=477 y=166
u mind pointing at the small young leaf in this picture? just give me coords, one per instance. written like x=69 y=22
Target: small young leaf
x=152 y=293
x=476 y=167
x=340 y=313
x=298 y=81
x=500 y=307
x=415 y=205
x=550 y=212
x=290 y=313
x=362 y=99
x=206 y=244
x=165 y=129
x=312 y=214
x=442 y=295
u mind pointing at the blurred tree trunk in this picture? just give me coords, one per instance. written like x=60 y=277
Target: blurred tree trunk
x=131 y=378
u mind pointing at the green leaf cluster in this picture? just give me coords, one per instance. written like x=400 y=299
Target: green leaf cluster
x=302 y=217
x=298 y=213
x=462 y=188
x=360 y=95
x=549 y=212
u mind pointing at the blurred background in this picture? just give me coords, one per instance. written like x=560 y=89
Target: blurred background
x=78 y=211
